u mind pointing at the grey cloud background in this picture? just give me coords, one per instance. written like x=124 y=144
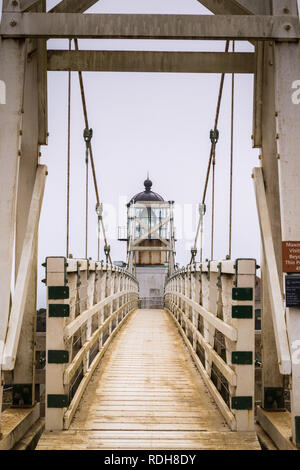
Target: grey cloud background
x=155 y=122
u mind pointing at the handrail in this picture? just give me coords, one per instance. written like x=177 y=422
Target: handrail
x=74 y=326
x=87 y=304
x=212 y=305
x=228 y=373
x=71 y=369
x=229 y=331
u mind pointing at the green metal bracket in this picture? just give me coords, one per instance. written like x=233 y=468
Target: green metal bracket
x=297 y=429
x=242 y=357
x=58 y=292
x=57 y=401
x=241 y=403
x=59 y=310
x=242 y=311
x=58 y=357
x=274 y=399
x=22 y=395
x=242 y=293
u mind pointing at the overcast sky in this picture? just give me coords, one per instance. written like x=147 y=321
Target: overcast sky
x=149 y=122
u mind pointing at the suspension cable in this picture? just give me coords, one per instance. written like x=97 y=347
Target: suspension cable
x=69 y=157
x=215 y=127
x=221 y=87
x=231 y=155
x=90 y=148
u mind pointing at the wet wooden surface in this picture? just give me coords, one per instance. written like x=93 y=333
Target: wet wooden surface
x=147 y=394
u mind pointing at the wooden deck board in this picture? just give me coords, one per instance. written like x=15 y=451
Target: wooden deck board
x=147 y=394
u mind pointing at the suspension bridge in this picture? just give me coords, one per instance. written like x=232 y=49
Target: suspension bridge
x=146 y=355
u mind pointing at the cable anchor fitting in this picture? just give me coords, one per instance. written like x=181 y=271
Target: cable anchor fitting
x=99 y=210
x=87 y=135
x=214 y=136
x=107 y=252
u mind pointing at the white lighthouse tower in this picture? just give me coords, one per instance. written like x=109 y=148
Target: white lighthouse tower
x=150 y=243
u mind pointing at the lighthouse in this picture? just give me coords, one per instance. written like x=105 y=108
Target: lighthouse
x=150 y=243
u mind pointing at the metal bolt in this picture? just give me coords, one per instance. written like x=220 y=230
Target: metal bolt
x=287 y=27
x=13 y=23
x=15 y=3
x=277 y=136
x=286 y=11
x=276 y=113
x=278 y=156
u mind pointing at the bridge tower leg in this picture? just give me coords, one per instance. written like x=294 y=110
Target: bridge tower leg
x=22 y=129
x=272 y=380
x=12 y=54
x=33 y=134
x=287 y=71
x=280 y=141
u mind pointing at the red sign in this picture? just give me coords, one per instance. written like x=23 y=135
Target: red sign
x=291 y=257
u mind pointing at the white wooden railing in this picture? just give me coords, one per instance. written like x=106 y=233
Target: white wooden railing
x=87 y=304
x=213 y=307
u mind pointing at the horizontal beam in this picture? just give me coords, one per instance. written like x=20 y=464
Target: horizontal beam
x=107 y=26
x=151 y=61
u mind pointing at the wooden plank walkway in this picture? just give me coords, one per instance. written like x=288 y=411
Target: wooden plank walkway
x=147 y=394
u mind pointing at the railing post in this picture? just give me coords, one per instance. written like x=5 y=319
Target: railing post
x=242 y=357
x=58 y=309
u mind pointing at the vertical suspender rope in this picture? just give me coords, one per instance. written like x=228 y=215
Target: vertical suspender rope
x=213 y=206
x=214 y=137
x=69 y=158
x=231 y=158
x=86 y=200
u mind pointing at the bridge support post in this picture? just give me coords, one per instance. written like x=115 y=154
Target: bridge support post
x=272 y=380
x=58 y=309
x=12 y=54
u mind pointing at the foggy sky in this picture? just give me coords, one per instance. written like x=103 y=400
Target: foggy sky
x=149 y=122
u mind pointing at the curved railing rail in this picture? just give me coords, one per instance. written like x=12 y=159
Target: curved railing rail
x=87 y=304
x=213 y=307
